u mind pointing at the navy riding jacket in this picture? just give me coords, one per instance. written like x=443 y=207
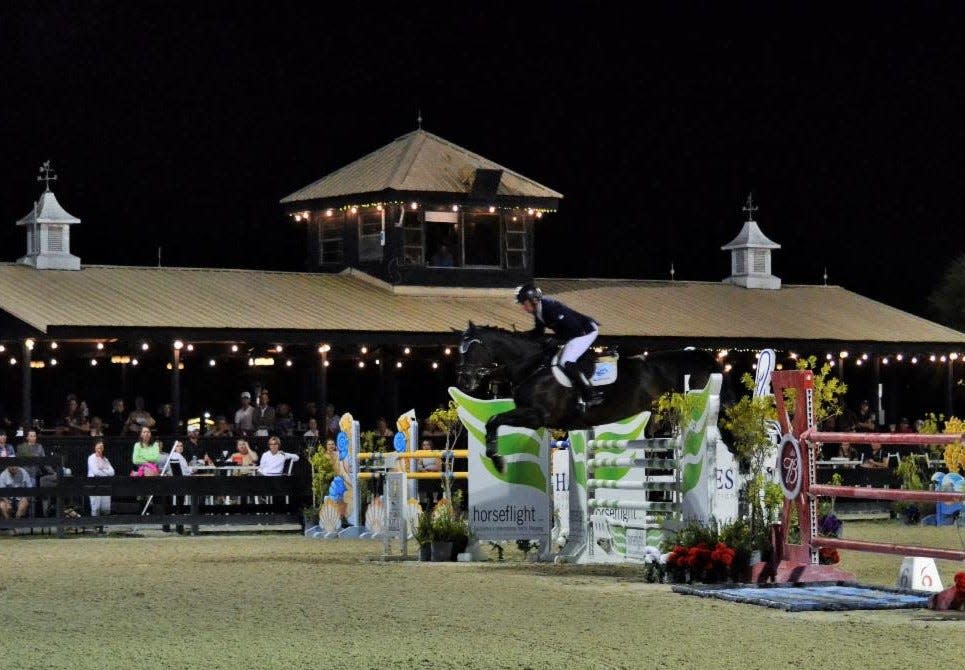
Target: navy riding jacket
x=565 y=322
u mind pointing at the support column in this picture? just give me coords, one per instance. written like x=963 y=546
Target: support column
x=176 y=389
x=26 y=410
x=950 y=386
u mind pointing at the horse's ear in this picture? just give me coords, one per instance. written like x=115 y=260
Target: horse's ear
x=471 y=327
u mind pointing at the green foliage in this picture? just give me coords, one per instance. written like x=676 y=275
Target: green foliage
x=828 y=390
x=369 y=440
x=446 y=421
x=449 y=526
x=423 y=528
x=674 y=408
x=947 y=301
x=744 y=420
x=323 y=472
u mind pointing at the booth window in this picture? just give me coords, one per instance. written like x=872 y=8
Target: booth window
x=481 y=239
x=330 y=240
x=370 y=235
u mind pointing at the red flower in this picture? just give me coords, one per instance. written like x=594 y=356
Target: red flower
x=828 y=556
x=960 y=582
x=723 y=554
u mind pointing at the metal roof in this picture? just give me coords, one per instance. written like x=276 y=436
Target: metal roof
x=187 y=298
x=47 y=210
x=418 y=161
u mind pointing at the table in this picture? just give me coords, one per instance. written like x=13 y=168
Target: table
x=210 y=470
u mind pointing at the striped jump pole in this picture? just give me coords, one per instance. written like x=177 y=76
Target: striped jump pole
x=796 y=470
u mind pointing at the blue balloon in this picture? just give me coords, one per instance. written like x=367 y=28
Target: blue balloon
x=342 y=442
x=399 y=442
x=336 y=490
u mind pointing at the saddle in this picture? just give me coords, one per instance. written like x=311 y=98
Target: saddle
x=600 y=368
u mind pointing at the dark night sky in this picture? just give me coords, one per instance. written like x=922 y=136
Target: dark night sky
x=183 y=127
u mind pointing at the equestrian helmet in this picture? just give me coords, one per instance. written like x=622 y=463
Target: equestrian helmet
x=528 y=291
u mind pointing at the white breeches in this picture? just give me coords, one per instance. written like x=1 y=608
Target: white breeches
x=577 y=346
x=100 y=505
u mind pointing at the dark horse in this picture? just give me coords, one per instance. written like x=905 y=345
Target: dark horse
x=491 y=354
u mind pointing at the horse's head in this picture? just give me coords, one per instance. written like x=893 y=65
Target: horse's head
x=477 y=360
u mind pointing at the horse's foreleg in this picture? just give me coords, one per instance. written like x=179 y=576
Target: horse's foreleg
x=524 y=417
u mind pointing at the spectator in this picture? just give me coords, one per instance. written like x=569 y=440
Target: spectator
x=273 y=461
x=139 y=418
x=284 y=421
x=165 y=421
x=442 y=258
x=904 y=426
x=849 y=452
x=96 y=427
x=33 y=449
x=245 y=416
x=15 y=477
x=244 y=454
x=311 y=412
x=865 y=419
x=330 y=422
x=264 y=417
x=146 y=456
x=6 y=450
x=876 y=458
x=99 y=466
x=74 y=422
x=220 y=428
x=432 y=464
x=118 y=418
x=194 y=449
x=312 y=428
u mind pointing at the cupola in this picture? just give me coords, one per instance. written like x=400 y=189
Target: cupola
x=48 y=230
x=750 y=255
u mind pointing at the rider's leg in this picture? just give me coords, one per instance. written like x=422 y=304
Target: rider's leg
x=568 y=357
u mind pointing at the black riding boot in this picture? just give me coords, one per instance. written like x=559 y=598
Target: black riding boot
x=588 y=395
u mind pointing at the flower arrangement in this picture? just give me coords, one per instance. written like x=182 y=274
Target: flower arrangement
x=708 y=554
x=828 y=556
x=829 y=526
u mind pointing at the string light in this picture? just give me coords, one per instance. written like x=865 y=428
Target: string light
x=829 y=357
x=728 y=367
x=134 y=361
x=843 y=354
x=884 y=361
x=37 y=364
x=190 y=347
x=329 y=212
x=864 y=357
x=435 y=366
x=54 y=345
x=953 y=356
x=899 y=357
x=932 y=358
x=100 y=346
x=2 y=348
x=407 y=351
x=943 y=358
x=361 y=364
x=93 y=362
x=324 y=349
x=364 y=349
x=326 y=364
x=858 y=362
x=278 y=349
x=13 y=361
x=234 y=348
x=447 y=351
x=29 y=343
x=914 y=360
x=413 y=205
x=212 y=363
x=398 y=364
x=53 y=362
x=178 y=345
x=144 y=347
x=288 y=363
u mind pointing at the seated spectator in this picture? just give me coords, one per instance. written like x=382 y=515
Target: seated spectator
x=904 y=426
x=96 y=427
x=876 y=458
x=139 y=418
x=849 y=452
x=433 y=464
x=244 y=454
x=178 y=456
x=273 y=460
x=99 y=466
x=74 y=420
x=164 y=424
x=195 y=450
x=220 y=428
x=6 y=450
x=312 y=428
x=15 y=477
x=147 y=458
x=284 y=421
x=311 y=412
x=45 y=475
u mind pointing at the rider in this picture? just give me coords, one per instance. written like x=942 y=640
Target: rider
x=577 y=330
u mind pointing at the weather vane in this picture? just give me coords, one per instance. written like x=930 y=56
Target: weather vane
x=46 y=175
x=749 y=207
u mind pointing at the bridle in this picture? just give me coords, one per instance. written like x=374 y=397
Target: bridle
x=471 y=374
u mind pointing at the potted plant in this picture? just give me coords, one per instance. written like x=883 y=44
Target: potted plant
x=450 y=532
x=423 y=535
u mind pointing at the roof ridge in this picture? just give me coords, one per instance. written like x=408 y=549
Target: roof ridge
x=416 y=140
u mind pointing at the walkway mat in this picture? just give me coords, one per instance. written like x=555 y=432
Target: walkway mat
x=828 y=596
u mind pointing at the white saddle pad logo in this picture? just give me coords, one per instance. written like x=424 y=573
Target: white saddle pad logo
x=604 y=373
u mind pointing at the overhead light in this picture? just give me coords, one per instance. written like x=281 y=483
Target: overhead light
x=884 y=361
x=144 y=347
x=278 y=348
x=447 y=351
x=325 y=364
x=843 y=354
x=492 y=210
x=178 y=344
x=234 y=348
x=407 y=351
x=413 y=205
x=355 y=210
x=361 y=364
x=539 y=215
x=2 y=348
x=398 y=364
x=212 y=363
x=190 y=347
x=914 y=360
x=29 y=343
x=932 y=358
x=171 y=367
x=53 y=345
x=379 y=207
x=134 y=361
x=13 y=361
x=325 y=348
x=378 y=362
x=435 y=366
x=53 y=362
x=530 y=211
x=288 y=363
x=93 y=362
x=328 y=212
x=364 y=349
x=100 y=346
x=900 y=357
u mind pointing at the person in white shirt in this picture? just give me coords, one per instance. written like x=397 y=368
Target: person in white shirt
x=99 y=466
x=244 y=417
x=272 y=461
x=15 y=477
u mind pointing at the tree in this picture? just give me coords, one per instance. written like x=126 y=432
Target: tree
x=947 y=301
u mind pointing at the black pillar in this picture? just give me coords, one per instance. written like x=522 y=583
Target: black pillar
x=882 y=420
x=323 y=384
x=949 y=399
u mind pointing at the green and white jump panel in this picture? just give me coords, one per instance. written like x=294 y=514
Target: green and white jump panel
x=617 y=492
x=513 y=503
